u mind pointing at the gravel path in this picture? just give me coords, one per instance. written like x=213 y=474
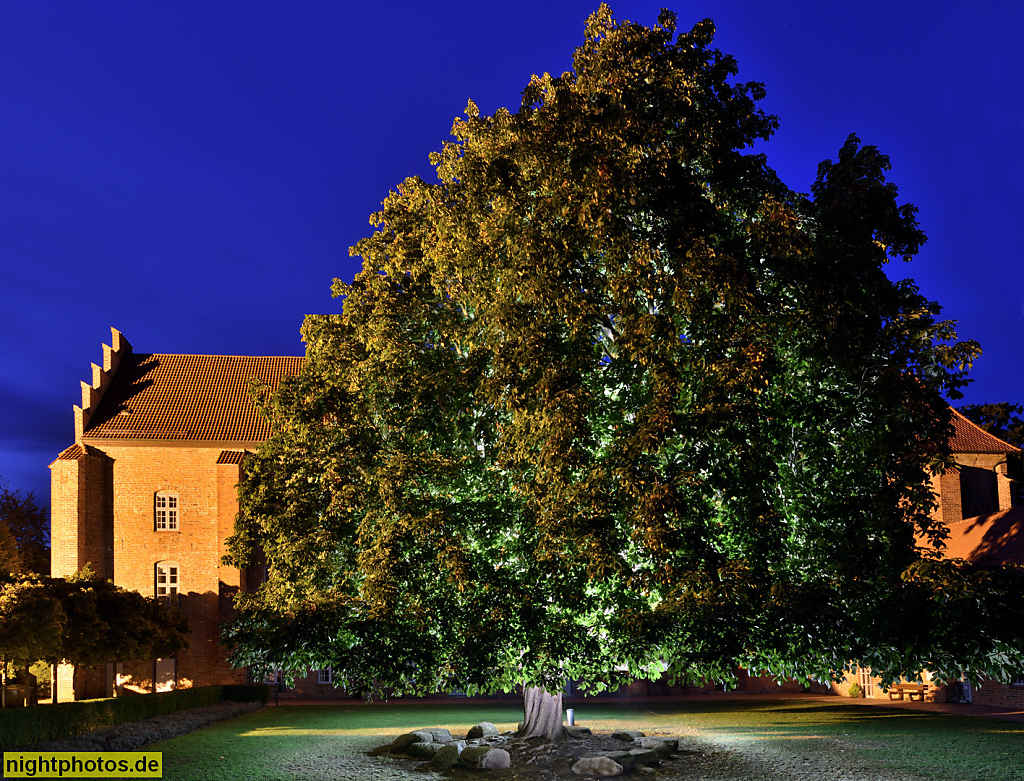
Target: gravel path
x=724 y=756
x=704 y=755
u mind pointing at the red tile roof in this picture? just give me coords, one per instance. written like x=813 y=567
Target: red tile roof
x=968 y=437
x=988 y=540
x=74 y=453
x=230 y=456
x=187 y=397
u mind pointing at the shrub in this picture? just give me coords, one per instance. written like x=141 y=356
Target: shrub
x=855 y=691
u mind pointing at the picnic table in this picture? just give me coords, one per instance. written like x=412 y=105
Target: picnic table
x=912 y=690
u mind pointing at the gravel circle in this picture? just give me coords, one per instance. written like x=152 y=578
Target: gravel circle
x=702 y=756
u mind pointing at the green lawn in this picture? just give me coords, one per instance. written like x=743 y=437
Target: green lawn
x=328 y=741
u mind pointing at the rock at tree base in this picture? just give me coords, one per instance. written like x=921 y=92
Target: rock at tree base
x=645 y=756
x=574 y=730
x=597 y=766
x=629 y=735
x=401 y=744
x=485 y=758
x=482 y=730
x=424 y=750
x=447 y=755
x=664 y=747
x=441 y=735
x=623 y=758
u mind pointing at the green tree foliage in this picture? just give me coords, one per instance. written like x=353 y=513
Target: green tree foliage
x=1002 y=420
x=107 y=623
x=10 y=556
x=26 y=523
x=31 y=622
x=608 y=395
x=83 y=620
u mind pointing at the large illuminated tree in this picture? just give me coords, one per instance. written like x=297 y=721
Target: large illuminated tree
x=606 y=397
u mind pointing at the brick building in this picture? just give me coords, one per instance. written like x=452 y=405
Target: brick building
x=147 y=496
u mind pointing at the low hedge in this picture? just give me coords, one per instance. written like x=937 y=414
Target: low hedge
x=42 y=723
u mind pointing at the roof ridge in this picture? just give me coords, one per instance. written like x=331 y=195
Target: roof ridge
x=217 y=355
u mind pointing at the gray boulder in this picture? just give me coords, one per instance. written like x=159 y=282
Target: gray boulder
x=645 y=756
x=623 y=758
x=482 y=730
x=423 y=750
x=495 y=759
x=597 y=766
x=485 y=758
x=441 y=735
x=447 y=755
x=628 y=735
x=665 y=747
x=401 y=744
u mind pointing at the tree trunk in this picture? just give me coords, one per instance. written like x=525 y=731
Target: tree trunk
x=542 y=715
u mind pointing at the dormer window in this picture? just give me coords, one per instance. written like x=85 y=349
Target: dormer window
x=166 y=512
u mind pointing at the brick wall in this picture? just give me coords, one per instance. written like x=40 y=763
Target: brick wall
x=104 y=513
x=999 y=695
x=206 y=514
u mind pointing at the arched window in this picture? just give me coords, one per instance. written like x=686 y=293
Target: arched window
x=166 y=511
x=167 y=582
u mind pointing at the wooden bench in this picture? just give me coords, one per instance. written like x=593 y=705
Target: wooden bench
x=912 y=690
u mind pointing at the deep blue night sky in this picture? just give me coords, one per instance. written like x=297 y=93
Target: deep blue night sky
x=194 y=173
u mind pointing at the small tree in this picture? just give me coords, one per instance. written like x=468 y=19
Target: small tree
x=83 y=620
x=106 y=623
x=31 y=623
x=610 y=397
x=26 y=522
x=10 y=556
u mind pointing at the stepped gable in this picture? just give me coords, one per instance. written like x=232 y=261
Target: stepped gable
x=187 y=397
x=988 y=540
x=969 y=437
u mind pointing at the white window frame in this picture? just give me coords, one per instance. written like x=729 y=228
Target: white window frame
x=325 y=675
x=165 y=511
x=168 y=582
